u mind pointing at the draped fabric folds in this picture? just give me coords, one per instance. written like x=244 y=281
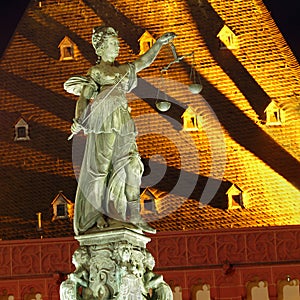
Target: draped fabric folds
x=111 y=162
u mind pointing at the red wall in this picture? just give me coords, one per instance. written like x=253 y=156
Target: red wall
x=183 y=258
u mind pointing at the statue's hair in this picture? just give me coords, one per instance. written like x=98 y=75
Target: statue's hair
x=100 y=34
x=82 y=252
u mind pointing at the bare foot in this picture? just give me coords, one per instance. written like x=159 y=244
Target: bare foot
x=113 y=223
x=101 y=223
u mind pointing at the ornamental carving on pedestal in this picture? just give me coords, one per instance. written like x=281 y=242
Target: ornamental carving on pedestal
x=118 y=270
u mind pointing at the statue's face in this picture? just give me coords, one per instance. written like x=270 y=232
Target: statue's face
x=110 y=49
x=151 y=262
x=75 y=260
x=126 y=254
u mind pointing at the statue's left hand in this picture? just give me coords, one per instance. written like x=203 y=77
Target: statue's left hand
x=167 y=37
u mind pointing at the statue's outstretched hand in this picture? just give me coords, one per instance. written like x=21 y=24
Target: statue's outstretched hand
x=167 y=37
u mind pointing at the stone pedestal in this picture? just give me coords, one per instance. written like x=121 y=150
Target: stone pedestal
x=114 y=264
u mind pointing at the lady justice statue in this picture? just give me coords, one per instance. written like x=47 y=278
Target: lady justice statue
x=108 y=191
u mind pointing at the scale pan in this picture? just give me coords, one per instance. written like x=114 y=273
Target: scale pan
x=195 y=88
x=163 y=105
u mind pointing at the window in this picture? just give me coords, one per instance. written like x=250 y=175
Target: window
x=257 y=290
x=67 y=49
x=274 y=115
x=7 y=296
x=177 y=293
x=235 y=197
x=228 y=40
x=21 y=131
x=149 y=204
x=148 y=201
x=63 y=208
x=68 y=52
x=192 y=121
x=146 y=41
x=201 y=292
x=288 y=288
x=33 y=295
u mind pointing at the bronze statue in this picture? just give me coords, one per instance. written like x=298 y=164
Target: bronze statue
x=111 y=171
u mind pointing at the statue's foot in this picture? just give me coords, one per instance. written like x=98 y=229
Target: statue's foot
x=145 y=227
x=113 y=223
x=101 y=223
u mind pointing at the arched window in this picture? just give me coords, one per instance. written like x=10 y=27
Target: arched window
x=201 y=292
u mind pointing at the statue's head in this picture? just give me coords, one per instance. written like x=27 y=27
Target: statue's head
x=149 y=261
x=101 y=34
x=80 y=256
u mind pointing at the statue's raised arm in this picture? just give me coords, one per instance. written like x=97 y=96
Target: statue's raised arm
x=147 y=58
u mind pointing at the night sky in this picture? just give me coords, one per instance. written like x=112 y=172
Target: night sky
x=285 y=13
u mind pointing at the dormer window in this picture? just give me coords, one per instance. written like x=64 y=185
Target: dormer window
x=228 y=40
x=236 y=197
x=148 y=201
x=274 y=115
x=192 y=120
x=146 y=42
x=67 y=49
x=62 y=207
x=21 y=131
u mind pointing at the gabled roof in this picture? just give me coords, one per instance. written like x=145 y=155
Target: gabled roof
x=66 y=41
x=21 y=122
x=149 y=193
x=228 y=38
x=234 y=147
x=192 y=111
x=271 y=106
x=233 y=190
x=146 y=36
x=61 y=198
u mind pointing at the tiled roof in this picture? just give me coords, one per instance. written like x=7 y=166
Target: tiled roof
x=234 y=145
